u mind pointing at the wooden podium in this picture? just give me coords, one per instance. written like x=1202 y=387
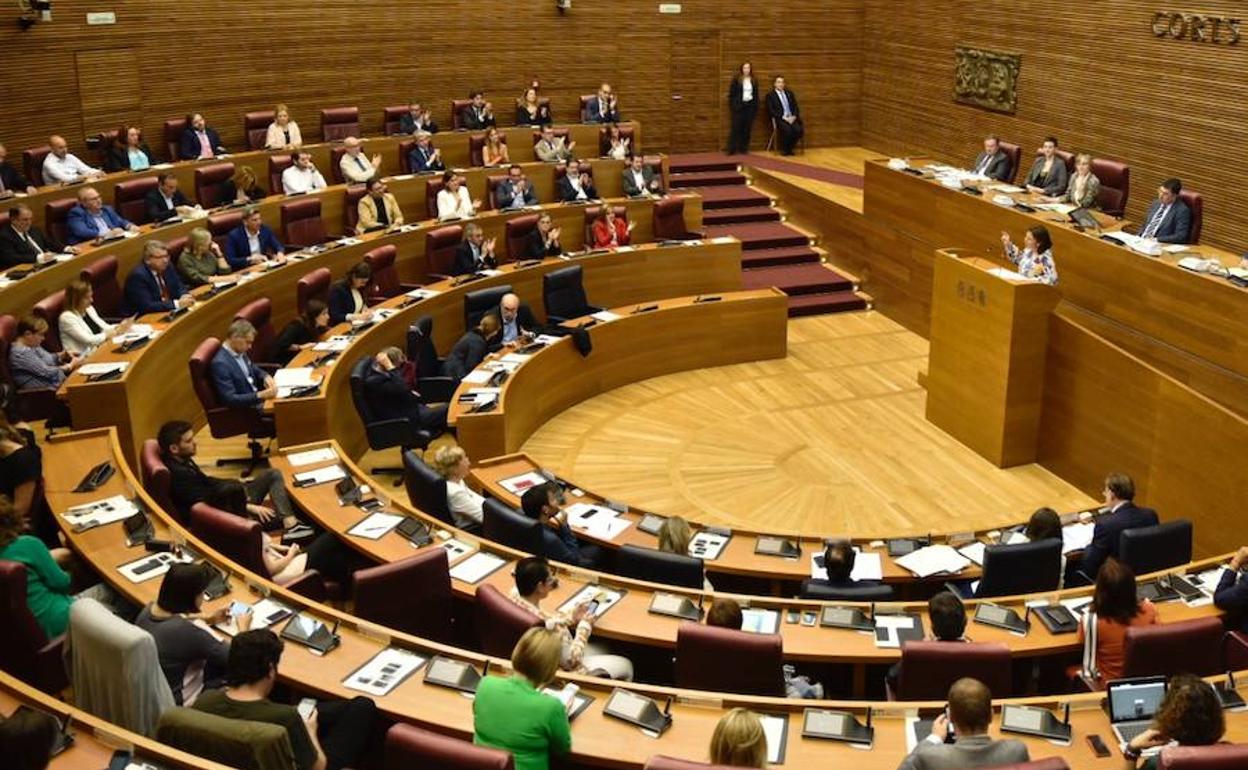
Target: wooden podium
x=986 y=366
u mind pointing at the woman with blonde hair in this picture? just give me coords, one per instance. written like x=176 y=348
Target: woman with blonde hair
x=675 y=534
x=201 y=261
x=241 y=188
x=81 y=327
x=451 y=462
x=530 y=111
x=283 y=132
x=513 y=714
x=494 y=153
x=739 y=740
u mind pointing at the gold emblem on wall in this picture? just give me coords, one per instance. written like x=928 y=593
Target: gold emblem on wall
x=987 y=79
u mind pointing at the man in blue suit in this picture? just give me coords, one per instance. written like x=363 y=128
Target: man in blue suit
x=604 y=108
x=239 y=382
x=199 y=140
x=91 y=219
x=1123 y=514
x=154 y=286
x=1232 y=592
x=558 y=543
x=1168 y=219
x=424 y=157
x=252 y=242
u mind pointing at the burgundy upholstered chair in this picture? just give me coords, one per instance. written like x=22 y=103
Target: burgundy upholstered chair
x=408 y=746
x=714 y=658
x=227 y=421
x=1015 y=154
x=155 y=476
x=440 y=246
x=278 y=164
x=105 y=290
x=337 y=123
x=476 y=148
x=433 y=186
x=627 y=132
x=301 y=222
x=516 y=233
x=457 y=109
x=405 y=150
x=173 y=136
x=585 y=101
x=592 y=212
x=491 y=187
x=500 y=621
x=25 y=650
x=412 y=595
x=33 y=403
x=669 y=220
x=32 y=161
x=1185 y=647
x=1222 y=756
x=335 y=167
x=242 y=541
x=256 y=127
x=129 y=198
x=208 y=181
x=314 y=284
x=392 y=118
x=1196 y=204
x=929 y=668
x=1115 y=178
x=351 y=206
x=49 y=309
x=385 y=275
x=221 y=225
x=56 y=218
x=566 y=133
x=259 y=313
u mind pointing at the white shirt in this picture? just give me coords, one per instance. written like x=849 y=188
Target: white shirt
x=67 y=169
x=357 y=168
x=465 y=504
x=747 y=90
x=575 y=181
x=77 y=337
x=275 y=138
x=299 y=180
x=639 y=178
x=253 y=242
x=452 y=205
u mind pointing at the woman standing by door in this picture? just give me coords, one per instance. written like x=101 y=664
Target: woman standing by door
x=743 y=104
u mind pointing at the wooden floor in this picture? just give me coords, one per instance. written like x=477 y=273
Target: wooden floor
x=830 y=440
x=849 y=160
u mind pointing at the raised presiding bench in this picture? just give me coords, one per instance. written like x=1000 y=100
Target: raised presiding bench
x=636 y=274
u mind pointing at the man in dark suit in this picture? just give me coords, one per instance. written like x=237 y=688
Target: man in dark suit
x=416 y=120
x=515 y=191
x=1168 y=219
x=469 y=351
x=639 y=179
x=424 y=157
x=543 y=241
x=11 y=179
x=577 y=184
x=199 y=140
x=474 y=252
x=539 y=502
x=1122 y=514
x=970 y=712
x=153 y=286
x=22 y=242
x=391 y=398
x=252 y=242
x=993 y=162
x=782 y=105
x=604 y=108
x=165 y=201
x=479 y=114
x=838 y=561
x=1232 y=592
x=515 y=318
x=237 y=381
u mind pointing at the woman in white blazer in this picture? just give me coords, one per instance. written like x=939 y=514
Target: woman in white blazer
x=283 y=132
x=82 y=329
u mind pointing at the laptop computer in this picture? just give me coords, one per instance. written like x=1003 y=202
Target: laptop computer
x=1132 y=704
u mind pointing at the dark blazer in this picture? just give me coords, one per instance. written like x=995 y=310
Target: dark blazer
x=476 y=121
x=82 y=228
x=735 y=96
x=14 y=250
x=568 y=193
x=535 y=247
x=505 y=191
x=142 y=294
x=294 y=333
x=998 y=167
x=524 y=319
x=630 y=184
x=523 y=118
x=466 y=263
x=118 y=158
x=228 y=191
x=407 y=124
x=1055 y=183
x=237 y=249
x=1177 y=225
x=13 y=179
x=467 y=353
x=777 y=109
x=390 y=397
x=233 y=388
x=1105 y=535
x=156 y=209
x=1232 y=596
x=420 y=162
x=341 y=303
x=188 y=484
x=562 y=546
x=597 y=112
x=188 y=148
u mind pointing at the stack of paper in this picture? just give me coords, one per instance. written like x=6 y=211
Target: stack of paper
x=483 y=395
x=1076 y=537
x=932 y=560
x=517 y=484
x=100 y=512
x=1009 y=275
x=477 y=567
x=322 y=455
x=288 y=380
x=606 y=316
x=596 y=520
x=89 y=370
x=320 y=475
x=974 y=552
x=333 y=345
x=478 y=376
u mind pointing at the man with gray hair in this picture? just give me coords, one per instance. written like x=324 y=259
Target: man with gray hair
x=392 y=398
x=238 y=381
x=474 y=252
x=154 y=286
x=354 y=166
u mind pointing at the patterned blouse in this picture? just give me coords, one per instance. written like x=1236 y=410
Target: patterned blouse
x=1037 y=266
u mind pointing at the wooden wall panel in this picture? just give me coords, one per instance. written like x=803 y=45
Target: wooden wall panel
x=109 y=86
x=225 y=57
x=1093 y=74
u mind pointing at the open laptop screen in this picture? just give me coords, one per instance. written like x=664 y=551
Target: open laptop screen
x=1135 y=699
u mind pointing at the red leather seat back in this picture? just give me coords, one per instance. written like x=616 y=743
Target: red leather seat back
x=385 y=274
x=1115 y=181
x=592 y=212
x=1222 y=756
x=129 y=198
x=440 y=246
x=49 y=309
x=392 y=118
x=714 y=658
x=237 y=539
x=256 y=127
x=208 y=181
x=301 y=222
x=278 y=164
x=176 y=246
x=335 y=167
x=517 y=234
x=4 y=219
x=1015 y=154
x=173 y=136
x=259 y=313
x=337 y=123
x=660 y=762
x=405 y=150
x=491 y=186
x=410 y=747
x=433 y=186
x=32 y=161
x=457 y=109
x=56 y=218
x=412 y=595
x=155 y=476
x=220 y=225
x=102 y=275
x=313 y=285
x=626 y=132
x=929 y=668
x=669 y=219
x=476 y=145
x=585 y=100
x=1196 y=204
x=500 y=621
x=1185 y=647
x=223 y=421
x=22 y=639
x=351 y=206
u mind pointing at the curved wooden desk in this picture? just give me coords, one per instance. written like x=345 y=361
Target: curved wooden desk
x=453 y=144
x=597 y=740
x=408 y=190
x=131 y=404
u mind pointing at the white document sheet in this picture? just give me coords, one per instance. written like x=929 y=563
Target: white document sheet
x=106 y=511
x=386 y=671
x=476 y=567
x=1076 y=537
x=760 y=621
x=321 y=475
x=376 y=526
x=104 y=368
x=607 y=598
x=774 y=728
x=322 y=455
x=974 y=552
x=933 y=559
x=517 y=484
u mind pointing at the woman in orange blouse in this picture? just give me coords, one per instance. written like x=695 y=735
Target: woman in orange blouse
x=494 y=153
x=1117 y=608
x=610 y=231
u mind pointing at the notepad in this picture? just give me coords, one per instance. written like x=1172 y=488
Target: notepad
x=478 y=376
x=151 y=566
x=312 y=456
x=376 y=526
x=294 y=378
x=760 y=621
x=517 y=484
x=100 y=512
x=933 y=559
x=596 y=520
x=776 y=731
x=477 y=567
